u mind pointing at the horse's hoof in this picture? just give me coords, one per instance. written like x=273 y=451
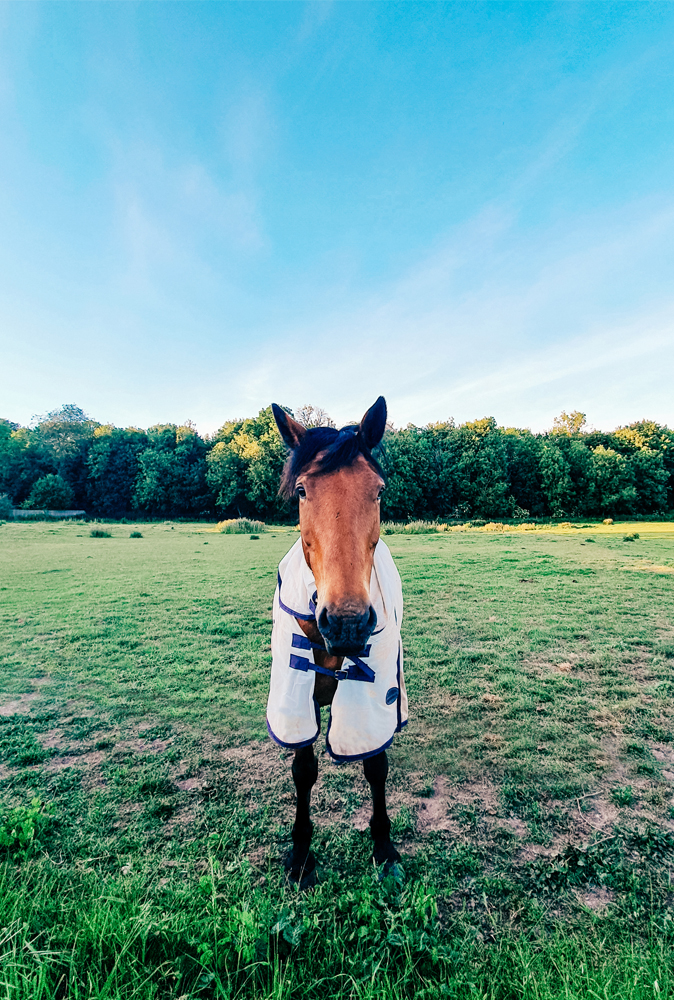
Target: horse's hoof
x=301 y=873
x=388 y=860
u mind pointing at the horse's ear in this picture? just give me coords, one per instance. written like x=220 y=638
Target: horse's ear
x=291 y=432
x=373 y=424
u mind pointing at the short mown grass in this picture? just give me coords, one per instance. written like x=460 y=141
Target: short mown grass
x=144 y=814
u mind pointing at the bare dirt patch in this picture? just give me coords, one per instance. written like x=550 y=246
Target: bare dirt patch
x=433 y=812
x=663 y=752
x=92 y=759
x=183 y=817
x=20 y=705
x=597 y=899
x=189 y=784
x=52 y=740
x=515 y=825
x=143 y=746
x=601 y=816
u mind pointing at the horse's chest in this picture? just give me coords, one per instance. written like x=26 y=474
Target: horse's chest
x=324 y=689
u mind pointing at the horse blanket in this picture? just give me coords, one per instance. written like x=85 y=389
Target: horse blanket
x=370 y=703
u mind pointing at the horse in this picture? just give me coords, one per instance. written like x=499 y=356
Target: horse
x=327 y=587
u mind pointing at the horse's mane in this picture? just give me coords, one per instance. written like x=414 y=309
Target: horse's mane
x=341 y=448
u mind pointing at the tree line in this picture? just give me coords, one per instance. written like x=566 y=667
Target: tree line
x=66 y=460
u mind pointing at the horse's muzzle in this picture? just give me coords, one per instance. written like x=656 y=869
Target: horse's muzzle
x=346 y=632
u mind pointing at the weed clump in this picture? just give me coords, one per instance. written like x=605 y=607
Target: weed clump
x=99 y=533
x=631 y=538
x=136 y=534
x=18 y=828
x=622 y=795
x=240 y=526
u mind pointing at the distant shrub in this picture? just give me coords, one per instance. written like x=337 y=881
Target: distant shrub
x=411 y=528
x=5 y=507
x=241 y=526
x=99 y=533
x=50 y=493
x=136 y=534
x=255 y=538
x=631 y=538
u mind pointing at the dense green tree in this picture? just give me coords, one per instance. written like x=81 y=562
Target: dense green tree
x=613 y=490
x=5 y=506
x=244 y=468
x=483 y=488
x=113 y=467
x=406 y=461
x=171 y=480
x=51 y=493
x=646 y=435
x=556 y=485
x=23 y=460
x=650 y=480
x=569 y=423
x=524 y=455
x=65 y=436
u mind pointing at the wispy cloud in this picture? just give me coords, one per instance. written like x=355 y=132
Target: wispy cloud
x=492 y=320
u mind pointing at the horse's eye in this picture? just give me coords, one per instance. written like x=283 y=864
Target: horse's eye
x=301 y=492
x=381 y=490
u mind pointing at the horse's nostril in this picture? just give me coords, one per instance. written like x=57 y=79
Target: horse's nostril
x=346 y=632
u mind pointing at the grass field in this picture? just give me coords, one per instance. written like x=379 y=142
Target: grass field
x=144 y=813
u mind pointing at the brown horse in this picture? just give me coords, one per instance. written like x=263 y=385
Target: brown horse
x=339 y=485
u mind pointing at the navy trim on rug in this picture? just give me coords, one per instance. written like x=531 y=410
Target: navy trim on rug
x=295 y=746
x=349 y=758
x=289 y=611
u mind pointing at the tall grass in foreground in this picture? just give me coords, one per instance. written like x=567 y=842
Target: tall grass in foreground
x=100 y=934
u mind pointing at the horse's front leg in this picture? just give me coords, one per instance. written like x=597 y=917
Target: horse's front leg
x=301 y=863
x=376 y=772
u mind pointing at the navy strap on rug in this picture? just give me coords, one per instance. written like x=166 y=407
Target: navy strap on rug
x=356 y=670
x=297 y=614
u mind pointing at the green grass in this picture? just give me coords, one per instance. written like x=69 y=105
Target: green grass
x=144 y=813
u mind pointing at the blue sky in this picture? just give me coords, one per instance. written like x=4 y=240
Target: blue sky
x=467 y=207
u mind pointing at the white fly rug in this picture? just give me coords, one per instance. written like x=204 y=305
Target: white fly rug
x=370 y=703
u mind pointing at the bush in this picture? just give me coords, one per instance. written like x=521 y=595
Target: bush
x=50 y=493
x=241 y=526
x=411 y=528
x=19 y=826
x=99 y=533
x=135 y=534
x=5 y=507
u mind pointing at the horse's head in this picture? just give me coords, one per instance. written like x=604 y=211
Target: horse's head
x=339 y=485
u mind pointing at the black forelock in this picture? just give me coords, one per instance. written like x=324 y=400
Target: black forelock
x=341 y=448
